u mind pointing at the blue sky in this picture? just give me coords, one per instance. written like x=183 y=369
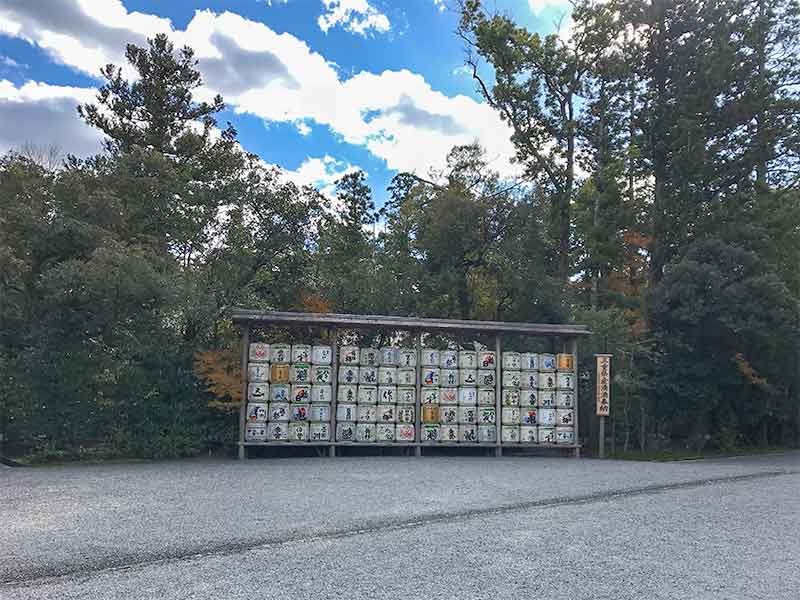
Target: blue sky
x=318 y=87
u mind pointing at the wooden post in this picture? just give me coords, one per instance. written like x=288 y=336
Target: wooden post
x=243 y=408
x=572 y=347
x=602 y=445
x=498 y=392
x=418 y=396
x=334 y=386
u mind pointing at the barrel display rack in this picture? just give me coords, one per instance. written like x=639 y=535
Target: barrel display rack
x=247 y=319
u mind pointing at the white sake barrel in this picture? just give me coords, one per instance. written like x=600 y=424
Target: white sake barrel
x=300 y=412
x=565 y=435
x=546 y=435
x=529 y=361
x=301 y=394
x=468 y=395
x=528 y=434
x=367 y=394
x=368 y=375
x=528 y=416
x=510 y=397
x=547 y=381
x=259 y=353
x=258 y=392
x=512 y=361
x=448 y=415
x=486 y=397
x=319 y=412
x=510 y=415
x=365 y=432
x=431 y=357
x=565 y=417
x=547 y=398
x=319 y=432
x=448 y=359
x=468 y=377
x=486 y=378
x=280 y=353
x=257 y=412
x=347 y=394
x=278 y=432
x=255 y=432
x=387 y=375
x=529 y=380
x=370 y=357
x=468 y=433
x=547 y=417
x=384 y=432
x=405 y=413
x=467 y=359
x=547 y=362
x=387 y=413
x=367 y=413
x=430 y=376
x=345 y=432
x=430 y=396
x=448 y=377
x=406 y=376
x=279 y=392
x=487 y=434
x=565 y=399
x=404 y=433
x=430 y=433
x=509 y=434
x=321 y=393
x=348 y=374
x=321 y=374
x=448 y=395
x=301 y=353
x=407 y=357
x=279 y=411
x=322 y=355
x=487 y=359
x=346 y=412
x=406 y=395
x=298 y=432
x=387 y=394
x=349 y=355
x=257 y=373
x=487 y=415
x=529 y=398
x=467 y=414
x=565 y=380
x=388 y=356
x=448 y=433
x=512 y=379
x=300 y=374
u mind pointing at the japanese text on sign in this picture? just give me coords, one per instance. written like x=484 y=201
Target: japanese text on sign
x=603 y=385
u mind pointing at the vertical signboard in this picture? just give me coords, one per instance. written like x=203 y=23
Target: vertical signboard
x=603 y=384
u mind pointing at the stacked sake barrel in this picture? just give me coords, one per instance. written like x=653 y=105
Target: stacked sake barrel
x=376 y=397
x=458 y=396
x=288 y=393
x=538 y=398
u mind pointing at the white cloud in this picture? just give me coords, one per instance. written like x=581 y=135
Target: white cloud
x=440 y=5
x=537 y=6
x=322 y=173
x=357 y=16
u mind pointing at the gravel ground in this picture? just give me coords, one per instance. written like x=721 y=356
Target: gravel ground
x=403 y=527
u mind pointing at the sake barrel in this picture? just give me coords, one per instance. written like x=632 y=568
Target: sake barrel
x=565 y=380
x=546 y=435
x=547 y=362
x=348 y=355
x=430 y=376
x=279 y=411
x=430 y=396
x=387 y=394
x=512 y=361
x=258 y=373
x=367 y=413
x=565 y=435
x=407 y=395
x=279 y=393
x=258 y=392
x=407 y=357
x=347 y=394
x=528 y=416
x=547 y=398
x=346 y=412
x=468 y=395
x=528 y=434
x=468 y=359
x=468 y=433
x=486 y=378
x=565 y=399
x=406 y=376
x=321 y=374
x=529 y=380
x=300 y=412
x=365 y=432
x=487 y=415
x=448 y=433
x=510 y=397
x=280 y=353
x=279 y=373
x=387 y=413
x=468 y=377
x=467 y=414
x=510 y=415
x=300 y=373
x=322 y=355
x=528 y=398
x=487 y=434
x=512 y=379
x=430 y=357
x=448 y=359
x=430 y=433
x=259 y=353
x=256 y=412
x=319 y=412
x=486 y=397
x=448 y=395
x=298 y=432
x=387 y=375
x=345 y=432
x=255 y=432
x=348 y=374
x=404 y=433
x=430 y=413
x=448 y=378
x=278 y=432
x=389 y=356
x=319 y=432
x=487 y=359
x=529 y=361
x=368 y=375
x=565 y=362
x=509 y=434
x=547 y=381
x=405 y=413
x=367 y=394
x=384 y=432
x=301 y=393
x=547 y=417
x=448 y=415
x=301 y=353
x=565 y=417
x=370 y=357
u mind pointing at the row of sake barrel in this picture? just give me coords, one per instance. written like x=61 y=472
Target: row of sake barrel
x=517 y=375
x=366 y=433
x=369 y=413
x=288 y=354
x=450 y=359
